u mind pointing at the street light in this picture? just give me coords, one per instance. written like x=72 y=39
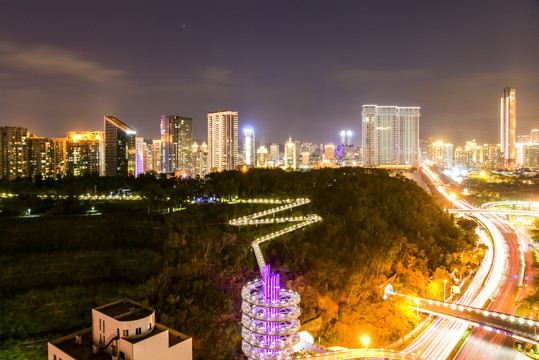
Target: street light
x=365 y=341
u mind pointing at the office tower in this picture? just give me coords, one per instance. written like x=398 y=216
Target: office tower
x=200 y=159
x=249 y=147
x=329 y=153
x=274 y=154
x=534 y=136
x=508 y=114
x=222 y=140
x=13 y=152
x=390 y=135
x=146 y=157
x=139 y=156
x=176 y=142
x=120 y=152
x=121 y=330
x=470 y=155
x=290 y=155
x=523 y=139
x=262 y=157
x=305 y=161
x=84 y=153
x=343 y=137
x=41 y=157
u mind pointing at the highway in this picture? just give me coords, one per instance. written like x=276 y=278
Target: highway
x=503 y=290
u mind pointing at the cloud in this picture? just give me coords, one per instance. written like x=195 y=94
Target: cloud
x=49 y=60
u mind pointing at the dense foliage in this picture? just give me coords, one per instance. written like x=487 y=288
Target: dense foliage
x=190 y=265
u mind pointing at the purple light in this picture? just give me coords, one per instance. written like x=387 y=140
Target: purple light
x=272 y=288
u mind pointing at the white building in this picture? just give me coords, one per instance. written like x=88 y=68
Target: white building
x=223 y=140
x=390 y=135
x=123 y=330
x=249 y=157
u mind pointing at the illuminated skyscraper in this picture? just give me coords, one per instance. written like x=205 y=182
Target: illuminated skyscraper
x=329 y=153
x=508 y=135
x=41 y=157
x=290 y=155
x=139 y=160
x=120 y=152
x=262 y=157
x=200 y=160
x=13 y=152
x=390 y=135
x=176 y=142
x=249 y=147
x=156 y=154
x=274 y=156
x=84 y=153
x=223 y=140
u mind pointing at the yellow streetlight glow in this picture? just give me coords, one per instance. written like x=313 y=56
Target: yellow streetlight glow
x=453 y=195
x=365 y=341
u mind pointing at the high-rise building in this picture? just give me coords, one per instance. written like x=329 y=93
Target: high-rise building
x=262 y=157
x=390 y=135
x=447 y=156
x=274 y=157
x=249 y=147
x=60 y=156
x=13 y=152
x=329 y=153
x=41 y=157
x=508 y=136
x=139 y=153
x=155 y=156
x=176 y=142
x=534 y=136
x=290 y=155
x=123 y=329
x=531 y=155
x=84 y=153
x=222 y=140
x=200 y=159
x=523 y=139
x=146 y=156
x=120 y=151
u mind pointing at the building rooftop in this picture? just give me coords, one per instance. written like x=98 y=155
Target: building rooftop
x=81 y=351
x=125 y=310
x=119 y=124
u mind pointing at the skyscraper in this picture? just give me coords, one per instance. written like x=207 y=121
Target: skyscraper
x=290 y=155
x=223 y=140
x=84 y=153
x=390 y=135
x=120 y=151
x=13 y=152
x=176 y=142
x=508 y=135
x=41 y=157
x=274 y=154
x=200 y=160
x=249 y=157
x=139 y=153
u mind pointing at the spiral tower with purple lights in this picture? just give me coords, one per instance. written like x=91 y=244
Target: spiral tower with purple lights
x=270 y=320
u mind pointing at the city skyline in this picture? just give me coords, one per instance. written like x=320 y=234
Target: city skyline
x=286 y=66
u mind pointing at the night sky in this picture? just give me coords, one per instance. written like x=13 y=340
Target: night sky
x=291 y=68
